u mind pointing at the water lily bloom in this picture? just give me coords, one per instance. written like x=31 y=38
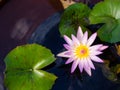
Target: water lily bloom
x=80 y=52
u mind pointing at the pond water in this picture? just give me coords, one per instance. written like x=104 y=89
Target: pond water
x=47 y=34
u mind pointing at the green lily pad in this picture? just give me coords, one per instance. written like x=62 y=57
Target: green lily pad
x=74 y=16
x=107 y=13
x=110 y=32
x=23 y=68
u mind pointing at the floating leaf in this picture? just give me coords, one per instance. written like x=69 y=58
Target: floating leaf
x=107 y=12
x=74 y=16
x=23 y=68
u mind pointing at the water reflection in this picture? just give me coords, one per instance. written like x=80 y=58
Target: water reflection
x=21 y=28
x=1 y=83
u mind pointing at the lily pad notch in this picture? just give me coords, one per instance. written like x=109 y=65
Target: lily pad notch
x=24 y=68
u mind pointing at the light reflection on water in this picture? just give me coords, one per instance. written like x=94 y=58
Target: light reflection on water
x=20 y=29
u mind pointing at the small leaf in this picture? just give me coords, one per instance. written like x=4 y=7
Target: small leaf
x=23 y=66
x=108 y=13
x=74 y=16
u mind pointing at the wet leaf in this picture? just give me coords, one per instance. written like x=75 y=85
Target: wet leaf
x=107 y=13
x=74 y=16
x=23 y=68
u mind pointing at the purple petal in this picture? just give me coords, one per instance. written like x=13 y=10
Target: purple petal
x=75 y=40
x=87 y=67
x=90 y=63
x=63 y=54
x=88 y=70
x=68 y=53
x=79 y=33
x=95 y=47
x=91 y=39
x=69 y=60
x=74 y=66
x=93 y=53
x=68 y=40
x=81 y=65
x=96 y=59
x=66 y=46
x=103 y=47
x=84 y=38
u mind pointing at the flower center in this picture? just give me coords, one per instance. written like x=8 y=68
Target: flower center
x=82 y=51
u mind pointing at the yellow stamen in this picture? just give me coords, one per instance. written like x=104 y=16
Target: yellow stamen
x=81 y=51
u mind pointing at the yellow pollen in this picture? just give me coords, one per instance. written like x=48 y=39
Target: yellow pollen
x=82 y=51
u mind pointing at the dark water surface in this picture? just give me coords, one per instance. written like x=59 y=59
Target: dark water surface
x=47 y=34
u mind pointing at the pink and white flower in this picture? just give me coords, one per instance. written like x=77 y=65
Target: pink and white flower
x=80 y=52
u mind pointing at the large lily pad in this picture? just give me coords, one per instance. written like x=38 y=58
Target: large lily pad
x=74 y=16
x=23 y=68
x=107 y=13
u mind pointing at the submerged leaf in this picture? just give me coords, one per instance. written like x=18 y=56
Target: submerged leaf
x=116 y=69
x=23 y=66
x=108 y=73
x=107 y=13
x=111 y=73
x=74 y=16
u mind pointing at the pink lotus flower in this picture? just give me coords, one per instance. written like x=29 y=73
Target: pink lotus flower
x=80 y=52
